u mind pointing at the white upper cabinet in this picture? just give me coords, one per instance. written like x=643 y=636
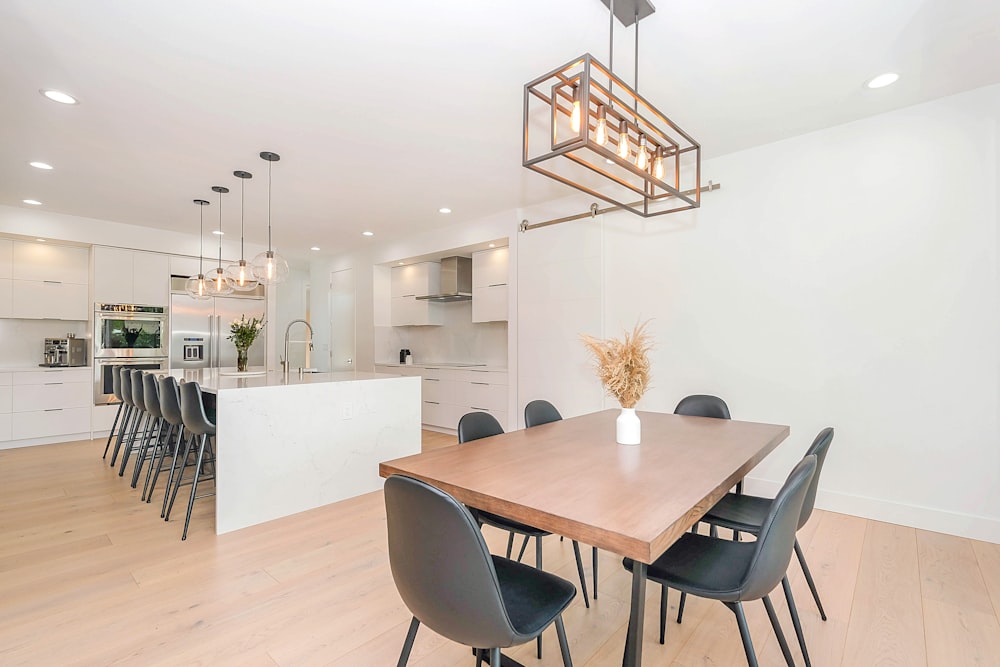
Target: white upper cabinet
x=47 y=282
x=5 y=258
x=409 y=282
x=131 y=276
x=489 y=285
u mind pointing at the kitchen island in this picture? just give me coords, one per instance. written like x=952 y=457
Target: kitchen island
x=286 y=445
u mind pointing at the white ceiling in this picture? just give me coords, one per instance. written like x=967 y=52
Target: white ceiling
x=385 y=111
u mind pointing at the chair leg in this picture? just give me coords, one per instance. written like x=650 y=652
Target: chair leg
x=479 y=656
x=538 y=564
x=121 y=434
x=563 y=644
x=595 y=572
x=524 y=545
x=510 y=544
x=777 y=631
x=495 y=657
x=741 y=620
x=150 y=437
x=663 y=612
x=579 y=569
x=139 y=420
x=794 y=612
x=194 y=485
x=173 y=468
x=180 y=478
x=809 y=579
x=114 y=425
x=152 y=475
x=680 y=606
x=411 y=634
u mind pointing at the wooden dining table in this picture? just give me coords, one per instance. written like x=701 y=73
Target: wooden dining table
x=571 y=478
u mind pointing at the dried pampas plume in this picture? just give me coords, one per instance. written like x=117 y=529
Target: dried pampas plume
x=623 y=365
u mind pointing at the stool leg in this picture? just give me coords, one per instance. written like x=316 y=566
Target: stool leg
x=180 y=477
x=194 y=484
x=114 y=425
x=148 y=437
x=173 y=467
x=139 y=419
x=121 y=433
x=595 y=572
x=151 y=475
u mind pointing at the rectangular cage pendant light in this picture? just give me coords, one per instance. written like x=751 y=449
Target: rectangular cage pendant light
x=588 y=129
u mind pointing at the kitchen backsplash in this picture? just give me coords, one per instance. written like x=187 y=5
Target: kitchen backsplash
x=24 y=340
x=457 y=340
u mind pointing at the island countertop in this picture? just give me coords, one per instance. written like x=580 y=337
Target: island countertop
x=213 y=380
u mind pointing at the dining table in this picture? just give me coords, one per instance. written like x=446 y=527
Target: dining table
x=571 y=478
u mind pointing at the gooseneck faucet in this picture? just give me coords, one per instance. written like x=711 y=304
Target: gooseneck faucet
x=309 y=342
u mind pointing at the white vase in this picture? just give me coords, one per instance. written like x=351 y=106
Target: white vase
x=628 y=427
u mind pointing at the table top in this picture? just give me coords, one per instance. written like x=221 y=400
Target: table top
x=570 y=477
x=212 y=380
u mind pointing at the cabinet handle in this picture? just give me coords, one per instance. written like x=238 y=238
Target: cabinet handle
x=53 y=410
x=433 y=379
x=47 y=384
x=433 y=402
x=52 y=282
x=497 y=285
x=485 y=384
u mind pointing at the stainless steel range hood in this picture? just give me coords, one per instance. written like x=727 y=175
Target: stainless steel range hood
x=456 y=281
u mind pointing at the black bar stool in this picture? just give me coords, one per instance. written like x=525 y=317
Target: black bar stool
x=125 y=394
x=170 y=410
x=142 y=419
x=116 y=389
x=197 y=424
x=155 y=444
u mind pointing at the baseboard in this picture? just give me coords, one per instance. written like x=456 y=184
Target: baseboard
x=971 y=526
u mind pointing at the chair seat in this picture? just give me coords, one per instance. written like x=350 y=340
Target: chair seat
x=533 y=598
x=739 y=512
x=704 y=566
x=509 y=525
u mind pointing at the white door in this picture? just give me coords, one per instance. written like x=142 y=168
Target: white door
x=342 y=316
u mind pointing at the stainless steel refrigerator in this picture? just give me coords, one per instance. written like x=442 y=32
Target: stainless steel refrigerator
x=198 y=331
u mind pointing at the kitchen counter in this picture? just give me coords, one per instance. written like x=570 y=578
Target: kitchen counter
x=287 y=445
x=443 y=364
x=36 y=367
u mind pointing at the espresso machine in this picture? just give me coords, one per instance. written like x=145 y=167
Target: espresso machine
x=65 y=352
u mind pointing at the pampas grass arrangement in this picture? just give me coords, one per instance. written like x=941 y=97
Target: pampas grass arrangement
x=623 y=365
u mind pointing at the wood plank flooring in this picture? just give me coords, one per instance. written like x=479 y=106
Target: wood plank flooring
x=89 y=575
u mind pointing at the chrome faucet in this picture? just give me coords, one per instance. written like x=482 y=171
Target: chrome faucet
x=309 y=342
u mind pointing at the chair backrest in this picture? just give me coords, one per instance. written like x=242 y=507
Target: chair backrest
x=819 y=447
x=151 y=394
x=137 y=397
x=540 y=412
x=125 y=384
x=170 y=400
x=193 y=410
x=703 y=405
x=116 y=381
x=773 y=549
x=442 y=568
x=476 y=425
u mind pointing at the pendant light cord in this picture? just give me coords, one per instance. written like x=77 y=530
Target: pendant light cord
x=611 y=52
x=201 y=240
x=243 y=206
x=269 y=205
x=220 y=230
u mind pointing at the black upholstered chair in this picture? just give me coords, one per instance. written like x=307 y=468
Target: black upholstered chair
x=116 y=389
x=150 y=446
x=748 y=513
x=170 y=408
x=703 y=405
x=142 y=420
x=451 y=583
x=540 y=412
x=123 y=391
x=737 y=572
x=200 y=429
x=477 y=425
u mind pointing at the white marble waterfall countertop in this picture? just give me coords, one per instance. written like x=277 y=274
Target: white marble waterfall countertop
x=212 y=380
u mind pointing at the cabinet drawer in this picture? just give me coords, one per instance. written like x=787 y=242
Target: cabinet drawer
x=5 y=421
x=53 y=375
x=489 y=304
x=482 y=396
x=489 y=377
x=37 y=299
x=444 y=391
x=6 y=394
x=46 y=423
x=102 y=417
x=36 y=397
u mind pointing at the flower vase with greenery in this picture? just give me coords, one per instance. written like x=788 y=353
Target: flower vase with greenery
x=243 y=333
x=623 y=367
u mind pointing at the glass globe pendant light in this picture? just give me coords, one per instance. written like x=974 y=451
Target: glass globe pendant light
x=197 y=286
x=239 y=275
x=217 y=284
x=269 y=267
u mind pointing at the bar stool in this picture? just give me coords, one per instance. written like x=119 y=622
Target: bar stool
x=116 y=389
x=170 y=408
x=125 y=394
x=151 y=396
x=197 y=424
x=141 y=419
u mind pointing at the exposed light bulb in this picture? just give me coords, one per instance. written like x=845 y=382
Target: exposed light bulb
x=574 y=119
x=623 y=150
x=601 y=133
x=243 y=274
x=270 y=268
x=658 y=170
x=642 y=155
x=201 y=285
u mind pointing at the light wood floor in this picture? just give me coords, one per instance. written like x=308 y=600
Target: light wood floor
x=91 y=576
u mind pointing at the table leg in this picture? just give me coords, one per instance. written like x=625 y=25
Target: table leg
x=633 y=640
x=505 y=660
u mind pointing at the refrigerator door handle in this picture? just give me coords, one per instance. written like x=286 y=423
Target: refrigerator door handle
x=211 y=341
x=218 y=342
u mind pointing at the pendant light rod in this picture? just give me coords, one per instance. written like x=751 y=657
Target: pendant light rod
x=270 y=157
x=201 y=234
x=221 y=190
x=243 y=176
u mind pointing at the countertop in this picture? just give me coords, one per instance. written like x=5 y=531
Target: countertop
x=470 y=366
x=214 y=379
x=36 y=367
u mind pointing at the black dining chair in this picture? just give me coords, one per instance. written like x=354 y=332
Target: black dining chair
x=451 y=583
x=536 y=413
x=198 y=426
x=477 y=425
x=737 y=572
x=747 y=514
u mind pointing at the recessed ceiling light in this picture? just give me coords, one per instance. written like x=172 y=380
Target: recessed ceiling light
x=315 y=247
x=400 y=263
x=883 y=80
x=40 y=165
x=33 y=202
x=493 y=245
x=609 y=160
x=59 y=96
x=41 y=240
x=368 y=233
x=444 y=210
x=218 y=233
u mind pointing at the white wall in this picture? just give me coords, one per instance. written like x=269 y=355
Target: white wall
x=847 y=277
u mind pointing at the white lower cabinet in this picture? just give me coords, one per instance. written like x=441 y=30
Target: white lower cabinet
x=48 y=423
x=6 y=402
x=449 y=393
x=46 y=403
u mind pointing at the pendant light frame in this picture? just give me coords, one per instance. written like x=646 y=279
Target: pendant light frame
x=239 y=275
x=269 y=267
x=550 y=147
x=197 y=286
x=217 y=284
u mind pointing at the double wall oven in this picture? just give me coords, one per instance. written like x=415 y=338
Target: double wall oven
x=129 y=335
